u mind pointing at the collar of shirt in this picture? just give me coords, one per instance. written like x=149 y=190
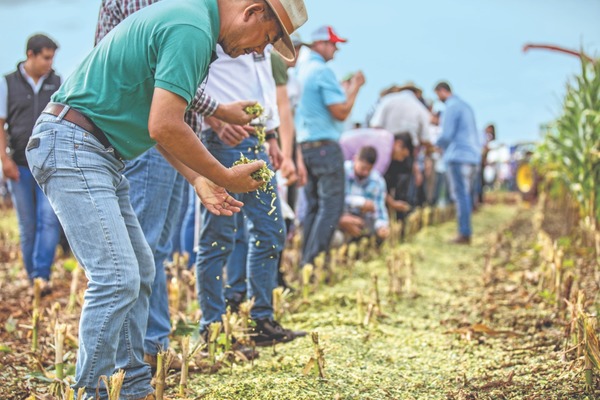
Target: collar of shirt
x=314 y=56
x=35 y=86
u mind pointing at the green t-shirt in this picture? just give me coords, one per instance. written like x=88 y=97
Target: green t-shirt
x=279 y=69
x=168 y=45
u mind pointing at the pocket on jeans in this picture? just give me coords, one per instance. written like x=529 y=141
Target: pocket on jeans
x=41 y=155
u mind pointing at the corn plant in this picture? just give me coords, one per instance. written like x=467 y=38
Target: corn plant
x=570 y=153
x=74 y=286
x=161 y=374
x=113 y=384
x=317 y=362
x=307 y=272
x=185 y=366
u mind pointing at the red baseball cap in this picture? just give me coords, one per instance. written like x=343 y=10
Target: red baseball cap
x=326 y=34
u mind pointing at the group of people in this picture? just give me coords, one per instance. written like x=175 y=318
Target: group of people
x=109 y=154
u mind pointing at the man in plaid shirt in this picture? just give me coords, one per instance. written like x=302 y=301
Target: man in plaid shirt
x=159 y=217
x=365 y=213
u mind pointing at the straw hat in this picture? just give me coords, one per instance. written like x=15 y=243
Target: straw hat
x=291 y=14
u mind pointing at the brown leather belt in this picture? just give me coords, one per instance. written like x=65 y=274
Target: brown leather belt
x=81 y=121
x=315 y=143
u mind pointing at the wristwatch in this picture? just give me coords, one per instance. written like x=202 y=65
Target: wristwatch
x=271 y=135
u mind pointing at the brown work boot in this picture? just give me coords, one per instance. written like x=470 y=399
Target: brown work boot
x=148 y=397
x=173 y=361
x=461 y=239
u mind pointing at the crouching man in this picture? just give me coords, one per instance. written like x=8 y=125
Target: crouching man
x=365 y=213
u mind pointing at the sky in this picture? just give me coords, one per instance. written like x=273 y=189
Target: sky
x=474 y=45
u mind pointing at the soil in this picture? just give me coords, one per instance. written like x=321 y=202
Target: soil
x=453 y=322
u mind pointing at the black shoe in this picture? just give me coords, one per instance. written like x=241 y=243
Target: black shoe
x=234 y=302
x=268 y=332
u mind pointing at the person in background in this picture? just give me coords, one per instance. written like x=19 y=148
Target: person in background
x=249 y=244
x=324 y=104
x=130 y=94
x=23 y=95
x=402 y=109
x=391 y=151
x=159 y=217
x=489 y=135
x=365 y=212
x=461 y=142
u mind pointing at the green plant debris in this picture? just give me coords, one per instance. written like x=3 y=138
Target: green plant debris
x=263 y=174
x=454 y=335
x=255 y=110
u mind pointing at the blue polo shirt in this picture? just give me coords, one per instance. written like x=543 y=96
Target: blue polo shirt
x=320 y=89
x=460 y=138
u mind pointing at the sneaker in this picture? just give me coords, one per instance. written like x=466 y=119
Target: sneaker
x=45 y=288
x=234 y=302
x=268 y=332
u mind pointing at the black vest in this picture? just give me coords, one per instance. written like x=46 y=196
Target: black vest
x=24 y=107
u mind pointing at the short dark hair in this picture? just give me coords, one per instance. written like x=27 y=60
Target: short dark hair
x=368 y=154
x=38 y=42
x=443 y=85
x=406 y=140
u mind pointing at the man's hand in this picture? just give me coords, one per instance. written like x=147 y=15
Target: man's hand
x=351 y=224
x=215 y=198
x=369 y=206
x=358 y=79
x=383 y=232
x=288 y=171
x=231 y=135
x=234 y=113
x=239 y=179
x=399 y=205
x=301 y=169
x=10 y=169
x=275 y=154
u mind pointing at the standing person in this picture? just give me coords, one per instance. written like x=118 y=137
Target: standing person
x=324 y=104
x=253 y=240
x=23 y=95
x=489 y=135
x=401 y=109
x=461 y=143
x=129 y=94
x=157 y=206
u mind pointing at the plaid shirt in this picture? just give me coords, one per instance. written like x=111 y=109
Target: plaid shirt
x=112 y=12
x=370 y=188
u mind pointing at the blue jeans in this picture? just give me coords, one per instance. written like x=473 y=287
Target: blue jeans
x=156 y=191
x=39 y=230
x=188 y=228
x=266 y=236
x=90 y=196
x=460 y=180
x=324 y=193
x=236 y=286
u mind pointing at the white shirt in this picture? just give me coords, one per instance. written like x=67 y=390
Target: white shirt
x=247 y=77
x=403 y=112
x=4 y=89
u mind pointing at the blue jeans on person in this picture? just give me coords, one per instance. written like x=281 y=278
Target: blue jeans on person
x=188 y=227
x=83 y=182
x=324 y=191
x=236 y=286
x=155 y=191
x=39 y=229
x=266 y=236
x=460 y=180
